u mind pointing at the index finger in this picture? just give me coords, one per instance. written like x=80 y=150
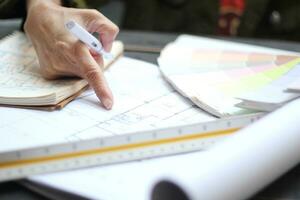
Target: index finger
x=91 y=71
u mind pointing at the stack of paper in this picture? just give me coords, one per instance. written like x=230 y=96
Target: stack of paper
x=218 y=79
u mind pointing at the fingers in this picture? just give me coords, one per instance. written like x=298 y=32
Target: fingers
x=89 y=63
x=91 y=71
x=107 y=37
x=106 y=29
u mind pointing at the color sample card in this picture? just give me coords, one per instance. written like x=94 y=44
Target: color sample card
x=216 y=79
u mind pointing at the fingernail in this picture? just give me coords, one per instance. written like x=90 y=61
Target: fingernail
x=107 y=104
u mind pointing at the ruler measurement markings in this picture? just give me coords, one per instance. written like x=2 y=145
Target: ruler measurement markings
x=126 y=147
x=107 y=161
x=74 y=147
x=107 y=150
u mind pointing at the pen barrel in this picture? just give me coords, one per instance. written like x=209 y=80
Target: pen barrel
x=84 y=36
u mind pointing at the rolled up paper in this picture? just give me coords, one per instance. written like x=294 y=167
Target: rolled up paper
x=240 y=166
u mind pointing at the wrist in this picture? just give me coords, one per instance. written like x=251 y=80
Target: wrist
x=38 y=11
x=30 y=4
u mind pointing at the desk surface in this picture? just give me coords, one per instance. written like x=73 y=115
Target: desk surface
x=286 y=188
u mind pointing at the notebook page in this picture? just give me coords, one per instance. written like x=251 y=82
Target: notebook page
x=20 y=79
x=19 y=71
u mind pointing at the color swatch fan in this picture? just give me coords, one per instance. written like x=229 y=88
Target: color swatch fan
x=217 y=80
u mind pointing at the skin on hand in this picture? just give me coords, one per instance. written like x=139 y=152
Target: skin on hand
x=61 y=54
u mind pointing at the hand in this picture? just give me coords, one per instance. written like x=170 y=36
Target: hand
x=61 y=54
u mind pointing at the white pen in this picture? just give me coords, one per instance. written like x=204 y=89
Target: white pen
x=87 y=38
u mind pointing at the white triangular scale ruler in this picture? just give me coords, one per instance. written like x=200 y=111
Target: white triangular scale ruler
x=128 y=147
